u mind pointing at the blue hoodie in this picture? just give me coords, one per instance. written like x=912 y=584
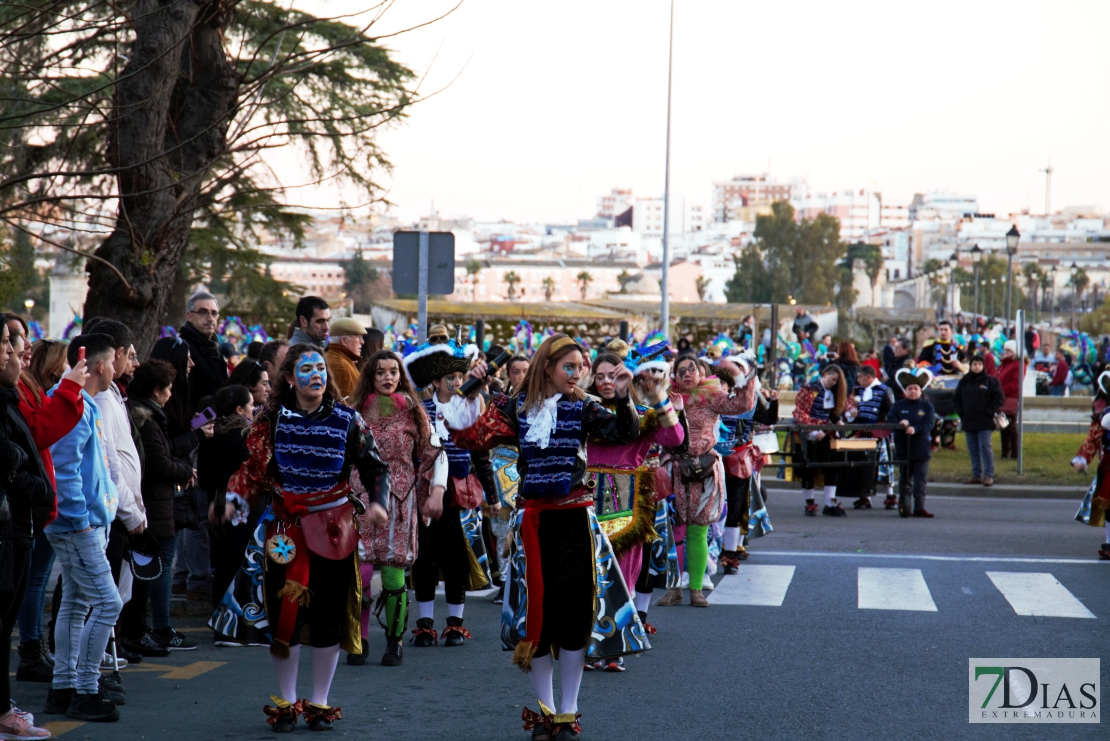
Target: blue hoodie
x=87 y=497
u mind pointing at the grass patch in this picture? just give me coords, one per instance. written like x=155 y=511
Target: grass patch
x=1046 y=460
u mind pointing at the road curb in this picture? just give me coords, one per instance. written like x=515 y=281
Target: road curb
x=998 y=491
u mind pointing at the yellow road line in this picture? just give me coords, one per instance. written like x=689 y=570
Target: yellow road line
x=58 y=727
x=189 y=671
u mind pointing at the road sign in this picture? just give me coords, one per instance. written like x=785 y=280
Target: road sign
x=441 y=263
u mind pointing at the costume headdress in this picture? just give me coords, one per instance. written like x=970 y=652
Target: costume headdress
x=430 y=361
x=644 y=360
x=920 y=376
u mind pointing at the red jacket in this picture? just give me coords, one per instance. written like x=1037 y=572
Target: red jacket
x=1060 y=375
x=1010 y=379
x=50 y=419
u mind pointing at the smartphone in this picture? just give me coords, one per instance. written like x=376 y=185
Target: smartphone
x=200 y=419
x=80 y=354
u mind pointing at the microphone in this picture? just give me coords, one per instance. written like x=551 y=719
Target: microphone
x=466 y=389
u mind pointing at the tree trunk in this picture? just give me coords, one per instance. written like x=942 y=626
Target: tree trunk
x=173 y=104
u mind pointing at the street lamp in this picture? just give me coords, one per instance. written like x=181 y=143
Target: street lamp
x=976 y=256
x=994 y=281
x=953 y=263
x=1052 y=306
x=29 y=304
x=1012 y=238
x=1074 y=292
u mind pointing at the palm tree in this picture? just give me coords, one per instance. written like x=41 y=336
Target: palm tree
x=473 y=267
x=584 y=280
x=548 y=288
x=873 y=266
x=1035 y=279
x=1079 y=282
x=702 y=285
x=623 y=279
x=511 y=279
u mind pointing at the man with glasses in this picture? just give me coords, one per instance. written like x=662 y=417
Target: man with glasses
x=202 y=316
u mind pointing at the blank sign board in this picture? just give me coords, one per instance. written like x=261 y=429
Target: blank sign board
x=441 y=263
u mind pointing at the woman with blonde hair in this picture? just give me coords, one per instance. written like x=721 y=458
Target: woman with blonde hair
x=822 y=402
x=562 y=596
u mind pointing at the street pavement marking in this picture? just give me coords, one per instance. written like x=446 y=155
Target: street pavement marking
x=755 y=585
x=189 y=671
x=1038 y=594
x=893 y=589
x=473 y=592
x=58 y=727
x=965 y=559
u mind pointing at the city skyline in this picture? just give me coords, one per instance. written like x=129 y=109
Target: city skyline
x=547 y=111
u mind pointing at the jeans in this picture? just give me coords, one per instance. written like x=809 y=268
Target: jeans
x=982 y=454
x=1057 y=390
x=34 y=602
x=157 y=592
x=193 y=567
x=87 y=589
x=915 y=474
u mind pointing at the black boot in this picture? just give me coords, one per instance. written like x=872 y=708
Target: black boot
x=424 y=634
x=31 y=666
x=454 y=634
x=359 y=659
x=730 y=562
x=393 y=654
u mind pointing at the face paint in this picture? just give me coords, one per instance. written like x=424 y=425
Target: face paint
x=312 y=372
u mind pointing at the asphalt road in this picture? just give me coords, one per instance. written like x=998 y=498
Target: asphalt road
x=824 y=656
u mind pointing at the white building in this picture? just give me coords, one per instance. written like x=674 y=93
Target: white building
x=859 y=211
x=753 y=190
x=686 y=218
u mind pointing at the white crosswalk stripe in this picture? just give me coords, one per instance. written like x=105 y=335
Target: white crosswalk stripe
x=764 y=585
x=1038 y=594
x=893 y=589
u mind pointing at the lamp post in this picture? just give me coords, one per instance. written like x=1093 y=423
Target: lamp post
x=994 y=281
x=1074 y=272
x=1052 y=306
x=1012 y=238
x=665 y=307
x=976 y=256
x=953 y=263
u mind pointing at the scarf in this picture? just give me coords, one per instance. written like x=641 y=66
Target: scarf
x=543 y=423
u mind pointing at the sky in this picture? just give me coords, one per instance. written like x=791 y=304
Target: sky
x=553 y=104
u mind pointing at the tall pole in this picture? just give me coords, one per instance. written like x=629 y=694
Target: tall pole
x=976 y=296
x=1021 y=387
x=422 y=291
x=665 y=309
x=1009 y=287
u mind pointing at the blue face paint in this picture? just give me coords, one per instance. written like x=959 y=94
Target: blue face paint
x=312 y=371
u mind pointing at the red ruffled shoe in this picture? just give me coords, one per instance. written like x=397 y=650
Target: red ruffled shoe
x=1104 y=552
x=540 y=724
x=730 y=562
x=282 y=715
x=648 y=627
x=424 y=635
x=567 y=727
x=320 y=717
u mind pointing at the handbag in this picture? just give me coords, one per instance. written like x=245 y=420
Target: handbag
x=468 y=492
x=331 y=533
x=184 y=508
x=696 y=468
x=1001 y=421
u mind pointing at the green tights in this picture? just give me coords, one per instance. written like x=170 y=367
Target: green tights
x=393 y=578
x=697 y=553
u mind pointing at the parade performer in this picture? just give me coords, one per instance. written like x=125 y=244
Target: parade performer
x=871 y=403
x=401 y=428
x=562 y=595
x=623 y=486
x=305 y=449
x=697 y=476
x=1096 y=503
x=822 y=402
x=743 y=460
x=945 y=352
x=912 y=444
x=452 y=544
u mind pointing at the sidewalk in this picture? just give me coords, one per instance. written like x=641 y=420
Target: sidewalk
x=998 y=491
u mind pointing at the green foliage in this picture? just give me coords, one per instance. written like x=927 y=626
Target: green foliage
x=750 y=283
x=800 y=260
x=20 y=279
x=359 y=277
x=511 y=279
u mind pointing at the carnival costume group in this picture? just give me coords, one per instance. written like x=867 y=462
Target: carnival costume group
x=611 y=492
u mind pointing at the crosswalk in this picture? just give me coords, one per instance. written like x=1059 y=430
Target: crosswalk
x=1028 y=593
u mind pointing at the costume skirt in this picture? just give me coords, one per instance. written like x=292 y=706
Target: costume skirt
x=240 y=616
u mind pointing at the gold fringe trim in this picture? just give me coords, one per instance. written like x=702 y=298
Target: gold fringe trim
x=294 y=592
x=522 y=655
x=641 y=525
x=564 y=718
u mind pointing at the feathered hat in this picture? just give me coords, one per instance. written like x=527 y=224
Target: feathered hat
x=919 y=376
x=643 y=360
x=1103 y=382
x=430 y=361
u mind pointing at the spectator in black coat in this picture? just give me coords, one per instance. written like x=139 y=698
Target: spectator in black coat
x=209 y=372
x=219 y=458
x=977 y=399
x=913 y=443
x=163 y=474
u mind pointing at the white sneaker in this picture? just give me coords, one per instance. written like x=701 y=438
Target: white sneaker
x=707 y=584
x=109 y=663
x=685 y=584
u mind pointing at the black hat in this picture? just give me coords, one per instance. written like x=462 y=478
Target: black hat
x=432 y=361
x=913 y=376
x=145 y=556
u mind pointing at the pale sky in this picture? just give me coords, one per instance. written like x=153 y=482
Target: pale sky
x=557 y=103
